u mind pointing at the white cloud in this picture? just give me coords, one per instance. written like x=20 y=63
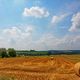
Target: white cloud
x=20 y=37
x=18 y=31
x=36 y=12
x=17 y=37
x=48 y=42
x=12 y=32
x=75 y=22
x=70 y=42
x=57 y=19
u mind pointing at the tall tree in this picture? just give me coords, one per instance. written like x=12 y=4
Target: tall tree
x=11 y=52
x=3 y=52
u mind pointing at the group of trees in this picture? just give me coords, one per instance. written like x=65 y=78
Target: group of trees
x=7 y=53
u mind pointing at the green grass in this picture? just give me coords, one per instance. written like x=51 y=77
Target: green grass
x=7 y=78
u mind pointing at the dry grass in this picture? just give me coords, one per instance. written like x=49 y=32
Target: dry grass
x=38 y=68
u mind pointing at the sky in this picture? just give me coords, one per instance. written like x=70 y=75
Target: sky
x=40 y=24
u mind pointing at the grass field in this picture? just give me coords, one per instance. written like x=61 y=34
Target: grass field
x=57 y=67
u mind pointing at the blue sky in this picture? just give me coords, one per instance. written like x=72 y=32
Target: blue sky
x=40 y=24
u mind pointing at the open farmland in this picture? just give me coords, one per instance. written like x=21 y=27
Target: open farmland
x=57 y=67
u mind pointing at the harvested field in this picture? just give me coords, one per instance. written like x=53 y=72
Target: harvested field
x=38 y=68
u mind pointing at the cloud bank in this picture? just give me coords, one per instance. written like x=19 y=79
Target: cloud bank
x=22 y=38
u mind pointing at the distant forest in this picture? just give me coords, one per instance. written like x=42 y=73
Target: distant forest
x=44 y=53
x=11 y=52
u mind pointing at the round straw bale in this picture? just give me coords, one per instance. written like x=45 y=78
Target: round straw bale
x=77 y=68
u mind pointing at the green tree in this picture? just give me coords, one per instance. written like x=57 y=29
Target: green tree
x=11 y=52
x=32 y=50
x=3 y=52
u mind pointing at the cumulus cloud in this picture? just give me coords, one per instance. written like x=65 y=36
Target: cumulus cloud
x=75 y=22
x=36 y=12
x=57 y=19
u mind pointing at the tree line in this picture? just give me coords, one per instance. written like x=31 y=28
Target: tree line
x=7 y=53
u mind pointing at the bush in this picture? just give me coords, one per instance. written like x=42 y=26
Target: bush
x=11 y=52
x=3 y=53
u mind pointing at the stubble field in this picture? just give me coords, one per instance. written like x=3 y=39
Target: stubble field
x=58 y=67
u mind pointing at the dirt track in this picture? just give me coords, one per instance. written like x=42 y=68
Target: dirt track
x=38 y=68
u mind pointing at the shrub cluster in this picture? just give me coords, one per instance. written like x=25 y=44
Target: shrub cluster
x=7 y=53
